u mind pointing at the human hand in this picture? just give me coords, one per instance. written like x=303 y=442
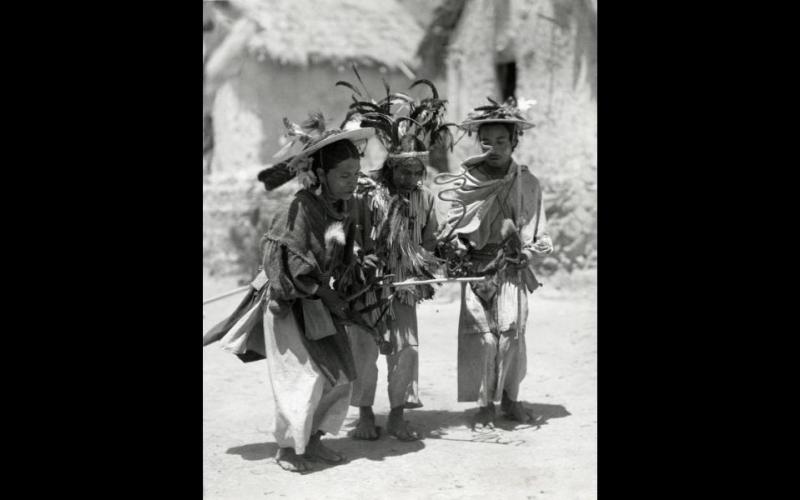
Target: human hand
x=371 y=260
x=519 y=262
x=474 y=160
x=459 y=247
x=542 y=247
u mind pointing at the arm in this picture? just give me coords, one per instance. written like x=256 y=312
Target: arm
x=536 y=242
x=290 y=274
x=540 y=243
x=291 y=267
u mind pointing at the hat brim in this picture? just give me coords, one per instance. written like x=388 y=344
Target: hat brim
x=358 y=134
x=474 y=125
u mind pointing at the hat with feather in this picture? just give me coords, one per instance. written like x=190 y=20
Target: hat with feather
x=506 y=113
x=407 y=127
x=302 y=141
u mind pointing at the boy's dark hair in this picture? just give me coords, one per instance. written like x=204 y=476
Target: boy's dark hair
x=331 y=155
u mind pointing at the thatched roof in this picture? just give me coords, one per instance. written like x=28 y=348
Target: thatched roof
x=302 y=32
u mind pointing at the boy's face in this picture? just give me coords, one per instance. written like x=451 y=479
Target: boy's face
x=408 y=175
x=343 y=180
x=494 y=137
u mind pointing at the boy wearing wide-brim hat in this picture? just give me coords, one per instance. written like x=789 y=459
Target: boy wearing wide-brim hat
x=498 y=223
x=308 y=253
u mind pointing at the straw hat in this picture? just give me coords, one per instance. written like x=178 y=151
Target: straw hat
x=506 y=113
x=312 y=136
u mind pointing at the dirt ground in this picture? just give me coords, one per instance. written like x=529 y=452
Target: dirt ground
x=555 y=460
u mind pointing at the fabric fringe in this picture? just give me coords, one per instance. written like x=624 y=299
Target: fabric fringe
x=400 y=235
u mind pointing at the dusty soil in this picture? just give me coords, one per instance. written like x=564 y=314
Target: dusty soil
x=555 y=460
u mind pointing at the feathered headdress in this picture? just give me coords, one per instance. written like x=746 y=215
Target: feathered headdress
x=508 y=112
x=406 y=127
x=309 y=137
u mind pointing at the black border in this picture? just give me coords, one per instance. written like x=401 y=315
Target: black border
x=117 y=394
x=105 y=356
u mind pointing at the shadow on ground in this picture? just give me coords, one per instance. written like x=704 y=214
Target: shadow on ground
x=431 y=424
x=256 y=451
x=434 y=424
x=352 y=449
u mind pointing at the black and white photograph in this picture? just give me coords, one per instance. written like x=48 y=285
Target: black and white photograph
x=400 y=249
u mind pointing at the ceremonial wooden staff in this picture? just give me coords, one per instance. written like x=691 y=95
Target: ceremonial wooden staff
x=226 y=294
x=399 y=284
x=520 y=282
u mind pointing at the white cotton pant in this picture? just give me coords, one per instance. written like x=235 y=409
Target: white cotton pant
x=402 y=365
x=305 y=400
x=492 y=356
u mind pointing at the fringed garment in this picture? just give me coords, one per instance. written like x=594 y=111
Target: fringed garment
x=401 y=229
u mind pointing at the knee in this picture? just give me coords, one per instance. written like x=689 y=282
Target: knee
x=409 y=350
x=363 y=347
x=407 y=355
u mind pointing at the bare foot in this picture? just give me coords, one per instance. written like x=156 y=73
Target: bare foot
x=365 y=427
x=316 y=451
x=291 y=461
x=517 y=411
x=484 y=418
x=399 y=428
x=505 y=403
